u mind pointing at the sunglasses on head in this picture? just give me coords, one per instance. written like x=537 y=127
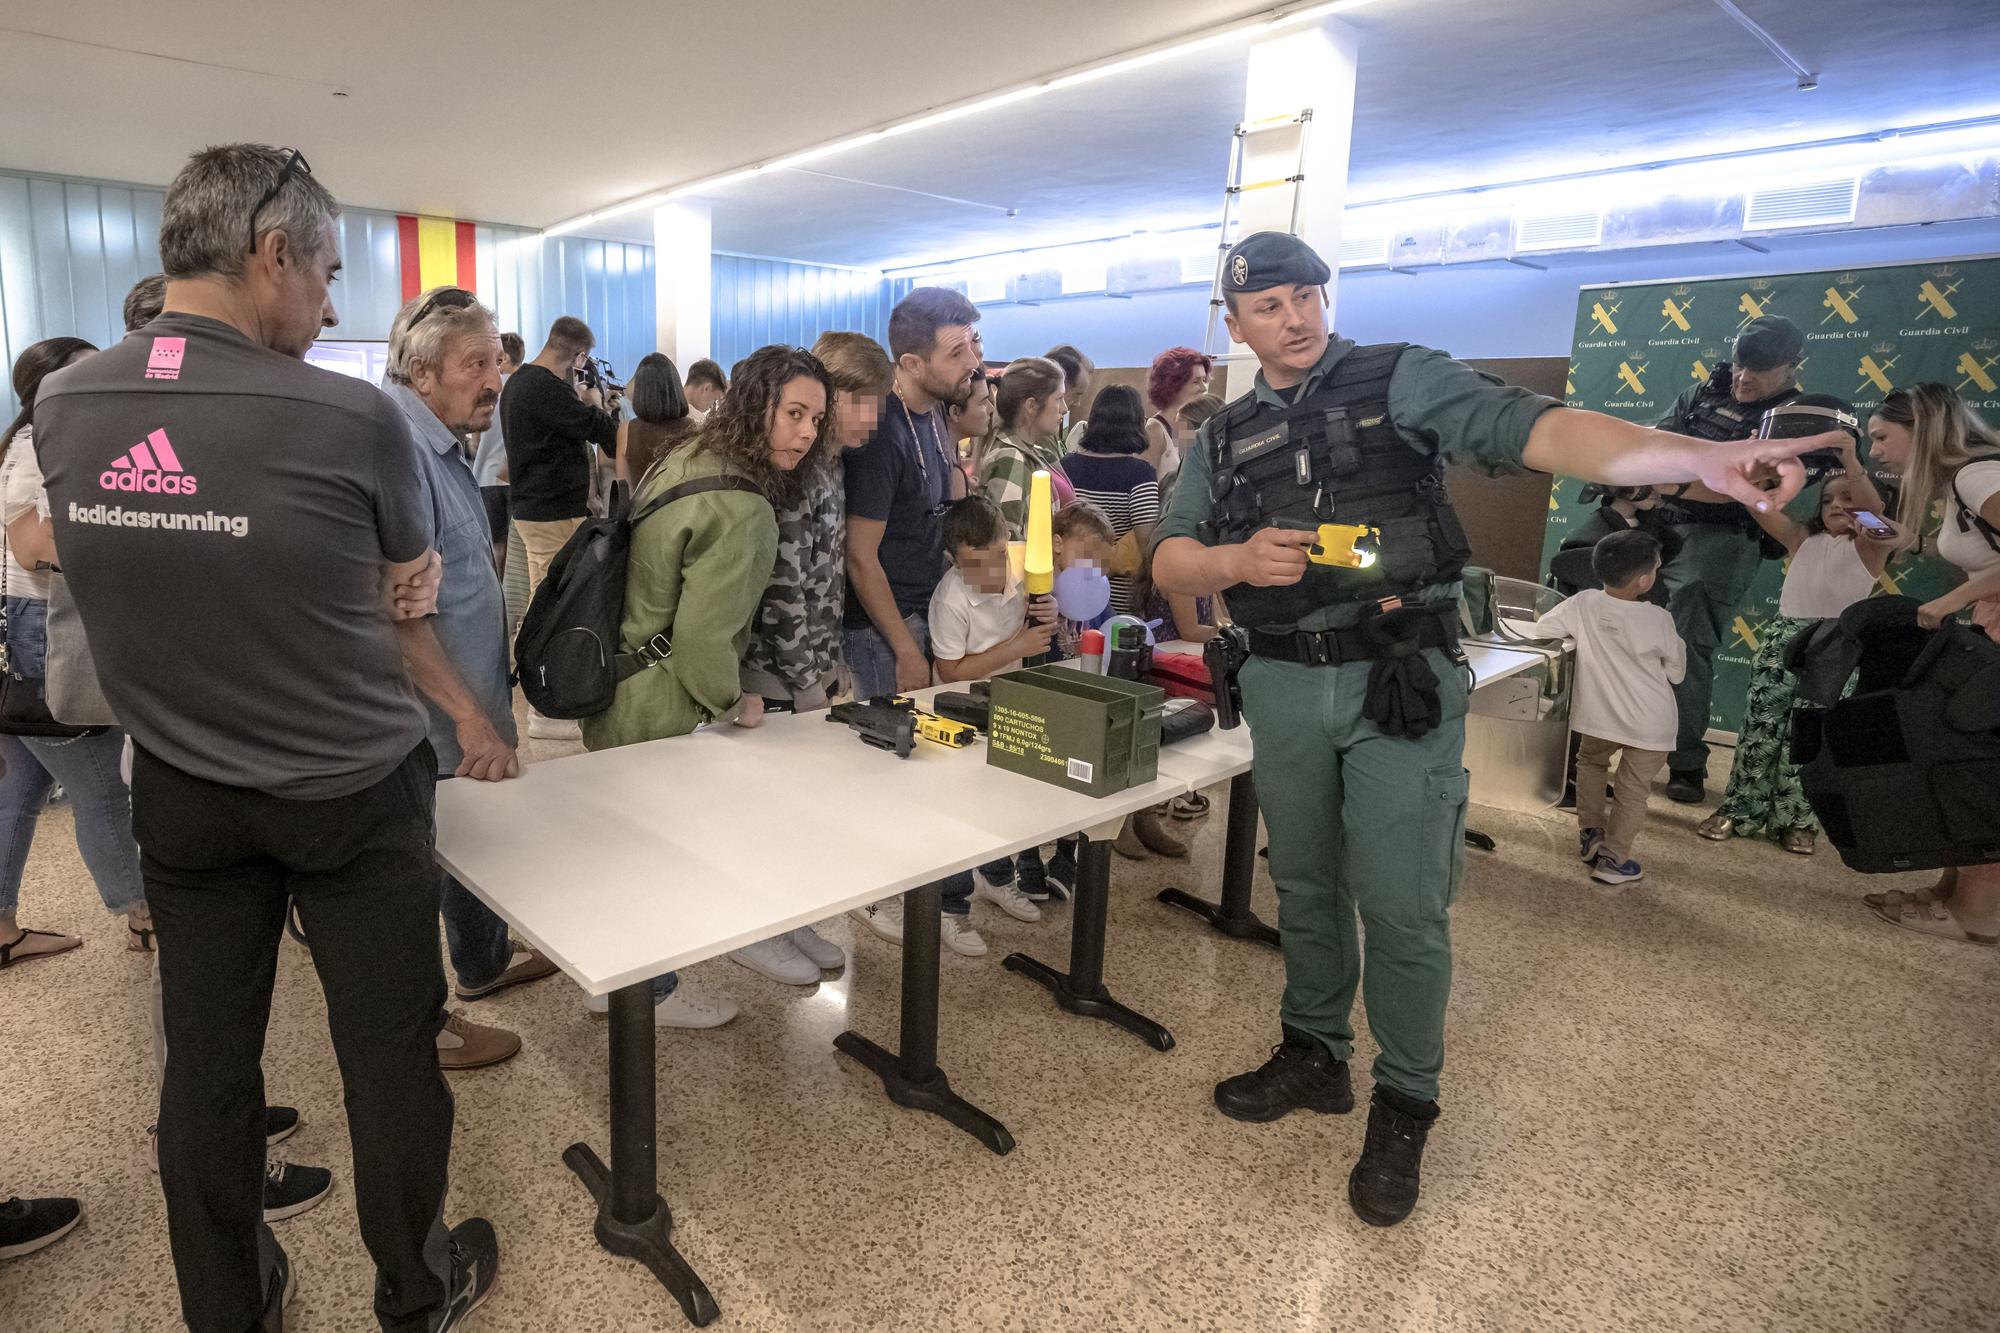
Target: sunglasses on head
x=295 y=165
x=445 y=298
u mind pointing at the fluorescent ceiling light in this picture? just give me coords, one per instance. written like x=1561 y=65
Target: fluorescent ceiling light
x=1283 y=16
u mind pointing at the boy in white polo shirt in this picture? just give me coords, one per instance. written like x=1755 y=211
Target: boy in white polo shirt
x=1628 y=659
x=979 y=622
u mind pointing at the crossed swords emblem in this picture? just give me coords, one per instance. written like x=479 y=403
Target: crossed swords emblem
x=1937 y=300
x=1840 y=305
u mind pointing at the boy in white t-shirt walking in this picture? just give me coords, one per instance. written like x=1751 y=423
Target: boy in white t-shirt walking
x=1628 y=659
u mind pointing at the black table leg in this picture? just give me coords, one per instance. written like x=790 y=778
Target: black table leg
x=913 y=1078
x=633 y=1221
x=1082 y=991
x=1232 y=916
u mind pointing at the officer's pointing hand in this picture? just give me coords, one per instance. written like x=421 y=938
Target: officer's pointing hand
x=1274 y=557
x=1743 y=471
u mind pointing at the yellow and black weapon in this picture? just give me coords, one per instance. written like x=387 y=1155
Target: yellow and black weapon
x=1345 y=545
x=944 y=731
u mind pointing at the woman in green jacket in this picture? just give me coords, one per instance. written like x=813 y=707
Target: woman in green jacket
x=699 y=566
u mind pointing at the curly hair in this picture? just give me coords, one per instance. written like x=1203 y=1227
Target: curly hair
x=1172 y=369
x=738 y=430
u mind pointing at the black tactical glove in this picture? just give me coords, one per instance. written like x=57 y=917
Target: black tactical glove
x=1402 y=697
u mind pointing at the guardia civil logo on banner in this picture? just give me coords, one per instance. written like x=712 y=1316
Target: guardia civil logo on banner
x=1638 y=349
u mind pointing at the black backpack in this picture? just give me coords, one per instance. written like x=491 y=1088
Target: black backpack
x=567 y=650
x=1904 y=770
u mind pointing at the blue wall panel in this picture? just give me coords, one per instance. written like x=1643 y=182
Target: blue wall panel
x=757 y=302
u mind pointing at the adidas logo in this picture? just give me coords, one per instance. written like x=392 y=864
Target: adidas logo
x=150 y=466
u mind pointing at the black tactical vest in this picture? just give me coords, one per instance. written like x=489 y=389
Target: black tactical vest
x=1904 y=772
x=1332 y=457
x=1714 y=415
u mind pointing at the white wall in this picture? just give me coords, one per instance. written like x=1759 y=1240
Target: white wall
x=1481 y=310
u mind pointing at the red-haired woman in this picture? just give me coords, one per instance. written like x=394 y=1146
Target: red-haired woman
x=1179 y=376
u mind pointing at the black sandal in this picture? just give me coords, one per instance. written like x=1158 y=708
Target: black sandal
x=144 y=936
x=7 y=958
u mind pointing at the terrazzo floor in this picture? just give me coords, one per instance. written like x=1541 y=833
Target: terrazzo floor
x=1725 y=1100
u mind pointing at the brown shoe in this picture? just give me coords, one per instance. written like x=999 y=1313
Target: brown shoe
x=1716 y=828
x=1128 y=843
x=526 y=965
x=464 y=1044
x=1800 y=841
x=1151 y=826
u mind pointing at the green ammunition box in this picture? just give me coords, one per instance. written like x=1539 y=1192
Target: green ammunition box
x=1088 y=733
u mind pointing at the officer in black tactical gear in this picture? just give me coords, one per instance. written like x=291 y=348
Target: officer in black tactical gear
x=1350 y=674
x=1721 y=546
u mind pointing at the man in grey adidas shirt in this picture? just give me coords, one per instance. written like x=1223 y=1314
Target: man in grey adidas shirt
x=245 y=537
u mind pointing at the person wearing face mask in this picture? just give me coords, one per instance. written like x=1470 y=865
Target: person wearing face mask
x=1721 y=546
x=1354 y=686
x=704 y=543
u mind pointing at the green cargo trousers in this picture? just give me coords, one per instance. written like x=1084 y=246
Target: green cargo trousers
x=1707 y=585
x=1360 y=821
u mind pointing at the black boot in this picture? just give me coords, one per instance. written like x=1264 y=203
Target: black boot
x=1383 y=1186
x=1300 y=1072
x=1685 y=787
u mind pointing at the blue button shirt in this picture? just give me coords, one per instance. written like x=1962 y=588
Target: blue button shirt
x=471 y=620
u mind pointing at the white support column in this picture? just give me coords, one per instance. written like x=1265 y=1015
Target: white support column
x=1309 y=66
x=682 y=245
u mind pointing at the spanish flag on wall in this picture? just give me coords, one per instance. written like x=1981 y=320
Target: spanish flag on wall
x=436 y=252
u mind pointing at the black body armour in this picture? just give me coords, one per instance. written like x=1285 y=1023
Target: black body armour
x=1332 y=457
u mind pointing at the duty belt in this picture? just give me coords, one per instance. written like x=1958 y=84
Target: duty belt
x=1335 y=647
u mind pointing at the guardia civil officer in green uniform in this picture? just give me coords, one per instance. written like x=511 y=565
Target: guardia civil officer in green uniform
x=1352 y=685
x=1722 y=546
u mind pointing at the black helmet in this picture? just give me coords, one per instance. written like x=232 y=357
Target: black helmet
x=1811 y=414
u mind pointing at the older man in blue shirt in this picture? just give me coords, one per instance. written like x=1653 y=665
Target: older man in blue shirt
x=444 y=373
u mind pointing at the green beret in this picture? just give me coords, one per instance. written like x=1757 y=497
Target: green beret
x=1270 y=259
x=1769 y=341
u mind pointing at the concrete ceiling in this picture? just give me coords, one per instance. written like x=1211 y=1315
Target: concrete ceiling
x=511 y=111
x=523 y=113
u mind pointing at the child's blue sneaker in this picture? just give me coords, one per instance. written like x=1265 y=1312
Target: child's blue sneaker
x=1589 y=842
x=1608 y=871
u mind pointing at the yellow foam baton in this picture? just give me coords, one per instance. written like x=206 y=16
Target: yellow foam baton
x=1041 y=561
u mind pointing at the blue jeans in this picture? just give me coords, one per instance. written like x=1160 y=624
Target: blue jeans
x=872 y=663
x=474 y=935
x=87 y=768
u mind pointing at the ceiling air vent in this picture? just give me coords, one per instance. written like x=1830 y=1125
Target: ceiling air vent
x=1811 y=204
x=1361 y=248
x=1558 y=231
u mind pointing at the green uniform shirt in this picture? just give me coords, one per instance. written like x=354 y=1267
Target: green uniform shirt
x=1438 y=405
x=697 y=569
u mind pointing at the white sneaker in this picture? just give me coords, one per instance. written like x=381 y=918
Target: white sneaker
x=780 y=960
x=679 y=1010
x=682 y=1010
x=1007 y=897
x=957 y=934
x=885 y=918
x=825 y=954
x=553 y=728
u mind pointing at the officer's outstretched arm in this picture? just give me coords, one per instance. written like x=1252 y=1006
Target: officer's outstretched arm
x=1604 y=449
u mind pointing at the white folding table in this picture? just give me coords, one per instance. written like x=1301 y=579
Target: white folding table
x=624 y=864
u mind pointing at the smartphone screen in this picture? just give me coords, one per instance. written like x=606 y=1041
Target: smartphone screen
x=1872 y=524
